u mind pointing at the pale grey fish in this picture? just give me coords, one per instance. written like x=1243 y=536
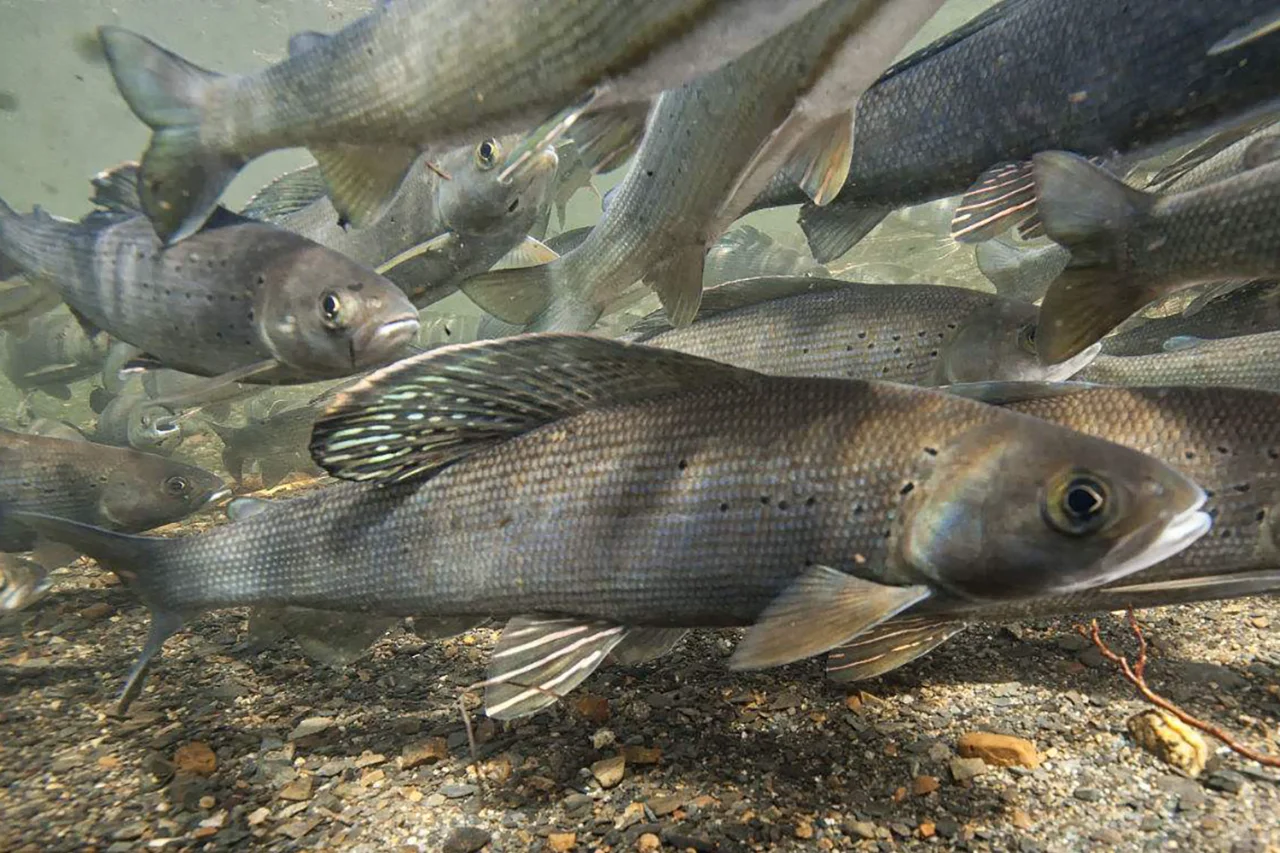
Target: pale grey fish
x=1249 y=361
x=1235 y=458
x=919 y=334
x=492 y=477
x=709 y=147
x=459 y=226
x=747 y=252
x=1130 y=248
x=1248 y=310
x=278 y=444
x=243 y=299
x=54 y=351
x=132 y=419
x=414 y=73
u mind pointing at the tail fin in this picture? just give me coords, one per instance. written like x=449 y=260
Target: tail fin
x=137 y=560
x=1090 y=212
x=181 y=178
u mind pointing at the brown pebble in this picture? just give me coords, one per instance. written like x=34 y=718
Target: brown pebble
x=999 y=750
x=642 y=754
x=297 y=790
x=197 y=758
x=593 y=708
x=1021 y=819
x=609 y=771
x=109 y=762
x=804 y=830
x=101 y=609
x=1260 y=622
x=1171 y=740
x=928 y=829
x=922 y=785
x=562 y=842
x=899 y=794
x=661 y=806
x=207 y=802
x=428 y=751
x=648 y=842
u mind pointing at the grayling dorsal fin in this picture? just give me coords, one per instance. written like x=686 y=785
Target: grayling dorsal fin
x=821 y=609
x=539 y=660
x=733 y=295
x=1000 y=393
x=116 y=189
x=287 y=194
x=414 y=417
x=887 y=647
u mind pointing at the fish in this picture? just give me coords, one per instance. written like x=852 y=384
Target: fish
x=1095 y=77
x=54 y=352
x=1248 y=361
x=53 y=428
x=243 y=300
x=277 y=443
x=434 y=232
x=132 y=419
x=706 y=148
x=357 y=100
x=747 y=252
x=601 y=494
x=108 y=487
x=1021 y=272
x=918 y=334
x=22 y=301
x=23 y=581
x=1226 y=439
x=1248 y=310
x=1130 y=248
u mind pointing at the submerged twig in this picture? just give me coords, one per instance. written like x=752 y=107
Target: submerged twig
x=441 y=172
x=1136 y=675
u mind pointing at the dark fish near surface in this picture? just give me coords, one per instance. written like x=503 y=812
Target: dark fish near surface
x=747 y=252
x=1227 y=440
x=706 y=148
x=1129 y=248
x=920 y=334
x=1249 y=361
x=277 y=443
x=443 y=229
x=242 y=297
x=54 y=352
x=1249 y=310
x=413 y=73
x=1092 y=76
x=133 y=419
x=616 y=488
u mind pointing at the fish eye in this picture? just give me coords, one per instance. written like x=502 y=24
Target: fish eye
x=331 y=309
x=487 y=154
x=1078 y=504
x=175 y=485
x=1027 y=338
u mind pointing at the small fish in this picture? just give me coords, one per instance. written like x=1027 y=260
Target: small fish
x=368 y=98
x=20 y=302
x=54 y=352
x=53 y=428
x=919 y=334
x=1223 y=438
x=708 y=149
x=603 y=494
x=435 y=232
x=1249 y=361
x=277 y=443
x=23 y=581
x=1248 y=310
x=132 y=419
x=241 y=300
x=1130 y=248
x=747 y=252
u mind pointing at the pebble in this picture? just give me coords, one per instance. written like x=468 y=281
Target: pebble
x=466 y=839
x=429 y=751
x=1088 y=795
x=922 y=785
x=661 y=806
x=562 y=842
x=642 y=754
x=195 y=757
x=999 y=750
x=862 y=829
x=1169 y=739
x=964 y=769
x=648 y=842
x=609 y=771
x=458 y=791
x=1226 y=781
x=297 y=790
x=310 y=726
x=603 y=738
x=592 y=708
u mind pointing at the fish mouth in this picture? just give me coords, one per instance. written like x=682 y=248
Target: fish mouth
x=1064 y=370
x=214 y=497
x=388 y=339
x=1149 y=545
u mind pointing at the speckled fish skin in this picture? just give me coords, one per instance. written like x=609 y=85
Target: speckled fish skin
x=918 y=334
x=237 y=294
x=108 y=487
x=1249 y=361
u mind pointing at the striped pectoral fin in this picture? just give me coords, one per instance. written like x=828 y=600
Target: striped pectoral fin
x=822 y=609
x=1002 y=197
x=889 y=646
x=538 y=660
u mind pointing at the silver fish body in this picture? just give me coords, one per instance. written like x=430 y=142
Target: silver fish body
x=132 y=419
x=1248 y=361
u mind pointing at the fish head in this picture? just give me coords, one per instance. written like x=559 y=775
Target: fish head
x=998 y=342
x=154 y=429
x=328 y=316
x=150 y=491
x=475 y=202
x=1018 y=507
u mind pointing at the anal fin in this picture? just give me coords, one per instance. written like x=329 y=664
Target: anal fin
x=836 y=228
x=889 y=646
x=539 y=660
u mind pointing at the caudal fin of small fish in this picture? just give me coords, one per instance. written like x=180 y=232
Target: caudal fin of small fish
x=822 y=609
x=1020 y=273
x=181 y=178
x=415 y=417
x=139 y=561
x=835 y=228
x=889 y=646
x=1003 y=196
x=1090 y=212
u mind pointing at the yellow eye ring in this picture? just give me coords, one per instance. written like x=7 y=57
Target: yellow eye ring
x=1078 y=503
x=488 y=153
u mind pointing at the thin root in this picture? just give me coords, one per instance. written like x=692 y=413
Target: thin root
x=1136 y=675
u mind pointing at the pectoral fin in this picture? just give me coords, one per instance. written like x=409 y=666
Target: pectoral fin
x=678 y=283
x=889 y=646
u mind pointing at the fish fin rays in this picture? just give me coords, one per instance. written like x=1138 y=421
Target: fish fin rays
x=412 y=418
x=529 y=252
x=514 y=296
x=678 y=283
x=820 y=163
x=821 y=609
x=1260 y=27
x=116 y=189
x=363 y=179
x=439 y=627
x=287 y=194
x=1081 y=306
x=834 y=229
x=645 y=644
x=537 y=661
x=439 y=243
x=327 y=637
x=605 y=138
x=1002 y=197
x=888 y=646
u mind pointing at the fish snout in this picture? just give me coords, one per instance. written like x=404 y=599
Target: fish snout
x=387 y=340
